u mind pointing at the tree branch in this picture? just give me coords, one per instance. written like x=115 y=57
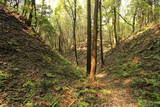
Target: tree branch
x=125 y=20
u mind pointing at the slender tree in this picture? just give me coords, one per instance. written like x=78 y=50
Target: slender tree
x=72 y=11
x=89 y=33
x=101 y=38
x=33 y=9
x=24 y=11
x=74 y=30
x=114 y=24
x=94 y=43
x=60 y=37
x=134 y=20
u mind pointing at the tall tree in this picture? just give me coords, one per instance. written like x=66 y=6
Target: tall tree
x=74 y=30
x=72 y=11
x=60 y=37
x=94 y=43
x=89 y=33
x=114 y=24
x=101 y=38
x=33 y=9
x=134 y=20
x=24 y=8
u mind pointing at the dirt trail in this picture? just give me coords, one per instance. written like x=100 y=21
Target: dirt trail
x=117 y=93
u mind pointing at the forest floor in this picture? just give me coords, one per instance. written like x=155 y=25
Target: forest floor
x=132 y=70
x=116 y=92
x=34 y=75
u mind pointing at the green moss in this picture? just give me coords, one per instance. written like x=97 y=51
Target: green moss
x=147 y=89
x=124 y=70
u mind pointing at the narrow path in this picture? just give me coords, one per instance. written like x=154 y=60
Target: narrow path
x=117 y=93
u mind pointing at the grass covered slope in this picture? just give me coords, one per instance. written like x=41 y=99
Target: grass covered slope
x=30 y=72
x=137 y=60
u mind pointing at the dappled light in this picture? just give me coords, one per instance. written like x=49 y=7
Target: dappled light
x=79 y=53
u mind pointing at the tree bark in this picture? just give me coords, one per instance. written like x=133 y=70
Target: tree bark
x=134 y=20
x=101 y=38
x=33 y=9
x=60 y=37
x=115 y=27
x=74 y=30
x=89 y=33
x=23 y=11
x=35 y=12
x=94 y=44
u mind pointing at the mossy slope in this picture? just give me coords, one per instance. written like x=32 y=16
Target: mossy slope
x=138 y=59
x=31 y=73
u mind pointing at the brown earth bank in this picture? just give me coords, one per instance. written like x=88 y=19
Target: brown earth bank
x=30 y=71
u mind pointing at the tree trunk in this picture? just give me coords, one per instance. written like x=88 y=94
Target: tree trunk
x=115 y=27
x=94 y=44
x=23 y=11
x=74 y=30
x=35 y=12
x=33 y=5
x=101 y=38
x=29 y=22
x=59 y=44
x=134 y=20
x=60 y=37
x=89 y=33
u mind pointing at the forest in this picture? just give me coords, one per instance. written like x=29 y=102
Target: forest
x=79 y=53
